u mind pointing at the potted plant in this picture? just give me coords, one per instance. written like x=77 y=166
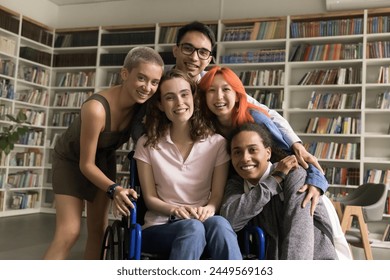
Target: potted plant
x=9 y=135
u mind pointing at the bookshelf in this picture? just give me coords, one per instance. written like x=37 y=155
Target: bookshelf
x=327 y=74
x=26 y=57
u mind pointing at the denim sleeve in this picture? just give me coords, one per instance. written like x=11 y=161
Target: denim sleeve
x=316 y=178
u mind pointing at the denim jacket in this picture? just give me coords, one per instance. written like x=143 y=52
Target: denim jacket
x=314 y=176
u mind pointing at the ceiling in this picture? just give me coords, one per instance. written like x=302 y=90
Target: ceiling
x=75 y=2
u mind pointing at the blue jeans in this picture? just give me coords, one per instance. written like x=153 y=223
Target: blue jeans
x=187 y=239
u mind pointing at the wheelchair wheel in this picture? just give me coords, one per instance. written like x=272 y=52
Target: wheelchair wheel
x=118 y=229
x=108 y=251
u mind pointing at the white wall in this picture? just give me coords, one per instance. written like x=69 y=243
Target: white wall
x=150 y=11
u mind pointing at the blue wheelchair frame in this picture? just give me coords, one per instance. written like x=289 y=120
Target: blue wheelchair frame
x=126 y=234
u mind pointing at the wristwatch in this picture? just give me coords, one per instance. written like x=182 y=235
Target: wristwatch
x=111 y=190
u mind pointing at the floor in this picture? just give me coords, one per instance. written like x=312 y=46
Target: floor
x=27 y=237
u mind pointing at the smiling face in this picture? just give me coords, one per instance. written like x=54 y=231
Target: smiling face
x=249 y=156
x=142 y=81
x=176 y=100
x=221 y=98
x=192 y=64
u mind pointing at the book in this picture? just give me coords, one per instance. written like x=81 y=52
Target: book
x=386 y=234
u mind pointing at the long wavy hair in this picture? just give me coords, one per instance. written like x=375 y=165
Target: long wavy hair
x=157 y=123
x=241 y=113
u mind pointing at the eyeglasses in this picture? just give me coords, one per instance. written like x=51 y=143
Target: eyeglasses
x=189 y=49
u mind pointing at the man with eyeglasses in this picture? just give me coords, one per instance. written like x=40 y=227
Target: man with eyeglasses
x=193 y=50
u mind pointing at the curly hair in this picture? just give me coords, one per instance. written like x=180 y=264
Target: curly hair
x=157 y=123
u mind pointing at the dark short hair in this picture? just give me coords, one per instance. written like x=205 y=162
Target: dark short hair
x=277 y=153
x=196 y=26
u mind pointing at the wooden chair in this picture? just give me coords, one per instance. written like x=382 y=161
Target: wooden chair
x=365 y=204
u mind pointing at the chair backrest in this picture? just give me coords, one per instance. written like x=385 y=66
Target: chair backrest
x=371 y=197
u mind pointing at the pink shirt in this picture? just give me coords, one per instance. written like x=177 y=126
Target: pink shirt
x=180 y=182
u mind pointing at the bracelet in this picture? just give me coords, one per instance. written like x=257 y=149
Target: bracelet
x=280 y=174
x=111 y=190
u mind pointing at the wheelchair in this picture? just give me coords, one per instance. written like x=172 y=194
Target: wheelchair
x=122 y=239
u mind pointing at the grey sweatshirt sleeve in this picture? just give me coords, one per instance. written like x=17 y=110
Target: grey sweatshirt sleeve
x=239 y=207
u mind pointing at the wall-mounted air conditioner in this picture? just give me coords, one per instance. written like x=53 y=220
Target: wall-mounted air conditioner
x=332 y=5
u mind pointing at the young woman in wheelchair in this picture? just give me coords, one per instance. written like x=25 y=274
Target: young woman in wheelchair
x=183 y=167
x=268 y=195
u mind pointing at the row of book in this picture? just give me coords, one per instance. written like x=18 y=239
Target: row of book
x=386 y=235
x=32 y=137
x=334 y=150
x=34 y=74
x=5 y=109
x=335 y=125
x=114 y=78
x=261 y=30
x=267 y=77
x=331 y=27
x=379 y=49
x=75 y=59
x=237 y=33
x=334 y=100
x=348 y=176
x=168 y=34
x=76 y=79
x=134 y=37
x=35 y=55
x=384 y=75
x=7 y=67
x=35 y=117
x=53 y=140
x=335 y=51
x=256 y=56
x=76 y=39
x=378 y=24
x=9 y=22
x=383 y=100
x=112 y=59
x=30 y=158
x=7 y=45
x=24 y=179
x=334 y=76
x=24 y=200
x=378 y=176
x=37 y=33
x=122 y=163
x=2 y=194
x=33 y=96
x=123 y=180
x=6 y=89
x=71 y=99
x=272 y=99
x=63 y=119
